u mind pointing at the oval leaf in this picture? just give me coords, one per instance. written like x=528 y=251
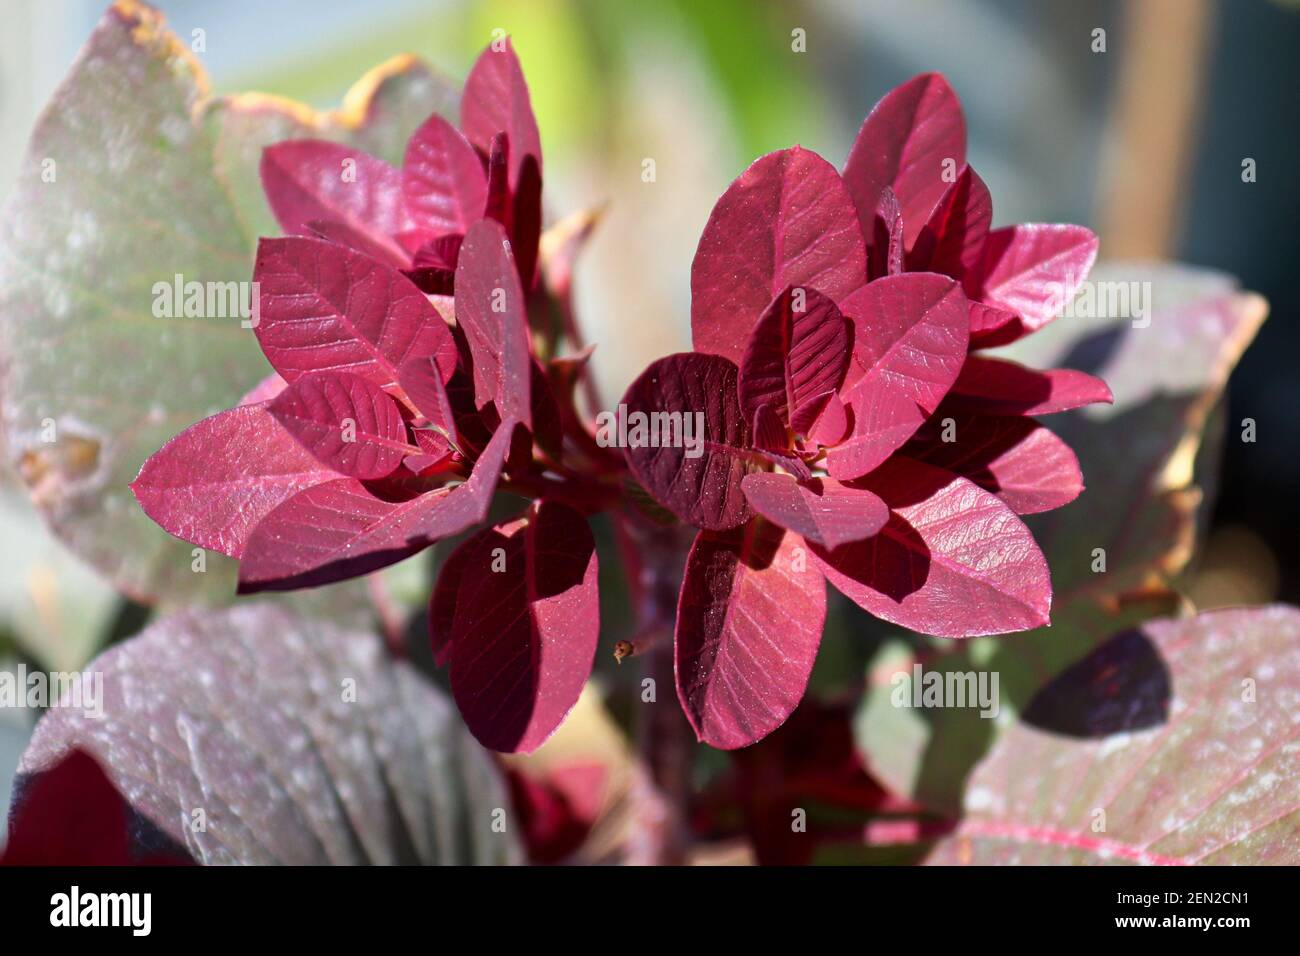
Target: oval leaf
x=346 y=421
x=1033 y=271
x=798 y=351
x=787 y=221
x=496 y=100
x=340 y=529
x=910 y=338
x=904 y=143
x=442 y=179
x=1000 y=387
x=749 y=621
x=821 y=510
x=326 y=307
x=693 y=467
x=490 y=308
x=526 y=621
x=299 y=742
x=212 y=483
x=953 y=561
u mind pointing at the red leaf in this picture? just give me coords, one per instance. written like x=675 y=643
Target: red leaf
x=311 y=179
x=885 y=239
x=340 y=529
x=558 y=808
x=787 y=221
x=831 y=425
x=213 y=482
x=769 y=434
x=798 y=351
x=72 y=815
x=1000 y=387
x=703 y=490
x=490 y=308
x=903 y=144
x=442 y=179
x=349 y=423
x=1016 y=458
x=442 y=602
x=496 y=100
x=1034 y=270
x=748 y=628
x=953 y=561
x=952 y=241
x=821 y=510
x=911 y=333
x=526 y=622
x=389 y=253
x=420 y=379
x=989 y=325
x=325 y=307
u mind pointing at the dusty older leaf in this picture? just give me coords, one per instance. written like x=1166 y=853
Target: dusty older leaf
x=1180 y=737
x=298 y=742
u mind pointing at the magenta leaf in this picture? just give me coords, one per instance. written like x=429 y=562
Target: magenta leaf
x=952 y=241
x=885 y=239
x=349 y=423
x=904 y=144
x=325 y=307
x=999 y=387
x=442 y=602
x=1017 y=459
x=310 y=179
x=389 y=253
x=787 y=221
x=1034 y=270
x=798 y=351
x=992 y=326
x=769 y=432
x=442 y=179
x=699 y=484
x=490 y=309
x=526 y=621
x=341 y=529
x=831 y=424
x=953 y=561
x=749 y=622
x=214 y=481
x=820 y=510
x=496 y=100
x=911 y=333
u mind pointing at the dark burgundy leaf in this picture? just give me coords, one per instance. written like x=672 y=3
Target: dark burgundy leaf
x=798 y=351
x=1016 y=458
x=953 y=561
x=498 y=205
x=999 y=387
x=904 y=143
x=526 y=621
x=442 y=602
x=72 y=815
x=340 y=529
x=213 y=482
x=787 y=221
x=442 y=179
x=821 y=510
x=325 y=307
x=769 y=433
x=496 y=100
x=526 y=221
x=558 y=808
x=703 y=490
x=308 y=179
x=349 y=423
x=910 y=338
x=749 y=621
x=1034 y=270
x=423 y=384
x=490 y=308
x=952 y=241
